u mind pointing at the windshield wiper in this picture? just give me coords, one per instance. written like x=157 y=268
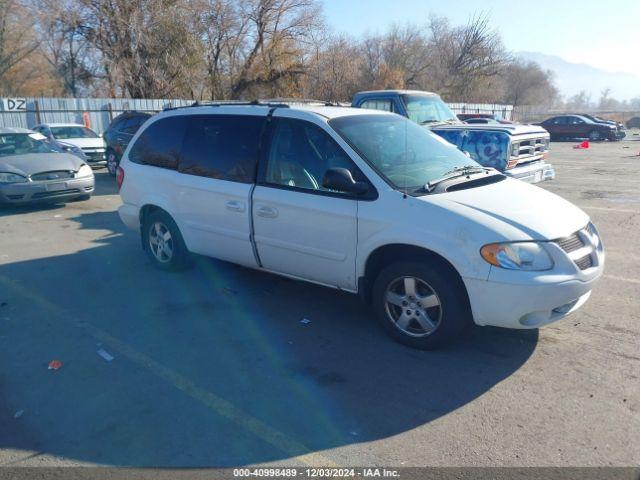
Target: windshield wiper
x=431 y=120
x=455 y=173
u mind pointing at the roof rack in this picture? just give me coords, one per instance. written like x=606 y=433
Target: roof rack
x=226 y=103
x=268 y=102
x=303 y=101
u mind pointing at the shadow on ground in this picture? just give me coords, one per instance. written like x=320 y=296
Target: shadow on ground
x=212 y=366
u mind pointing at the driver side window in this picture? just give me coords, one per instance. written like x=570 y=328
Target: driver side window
x=301 y=153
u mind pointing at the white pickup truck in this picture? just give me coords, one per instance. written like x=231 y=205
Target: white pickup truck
x=518 y=151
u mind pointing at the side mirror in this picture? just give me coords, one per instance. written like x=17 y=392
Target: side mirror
x=341 y=180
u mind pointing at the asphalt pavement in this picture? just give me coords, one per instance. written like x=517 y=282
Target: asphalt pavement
x=215 y=367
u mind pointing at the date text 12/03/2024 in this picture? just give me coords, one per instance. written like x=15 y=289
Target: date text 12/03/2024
x=316 y=472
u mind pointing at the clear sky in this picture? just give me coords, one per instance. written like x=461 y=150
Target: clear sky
x=601 y=33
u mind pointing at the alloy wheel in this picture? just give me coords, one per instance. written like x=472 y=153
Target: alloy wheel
x=161 y=242
x=413 y=306
x=111 y=163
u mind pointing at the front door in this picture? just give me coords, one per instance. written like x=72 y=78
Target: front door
x=302 y=228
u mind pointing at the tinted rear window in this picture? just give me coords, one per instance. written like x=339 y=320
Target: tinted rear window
x=223 y=147
x=159 y=145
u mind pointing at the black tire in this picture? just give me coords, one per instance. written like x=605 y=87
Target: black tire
x=454 y=311
x=179 y=258
x=112 y=162
x=595 y=136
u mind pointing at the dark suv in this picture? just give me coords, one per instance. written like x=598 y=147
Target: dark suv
x=578 y=126
x=119 y=134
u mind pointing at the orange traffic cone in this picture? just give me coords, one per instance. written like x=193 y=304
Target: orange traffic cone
x=584 y=144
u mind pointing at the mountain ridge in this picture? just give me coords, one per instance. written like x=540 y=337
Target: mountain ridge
x=571 y=78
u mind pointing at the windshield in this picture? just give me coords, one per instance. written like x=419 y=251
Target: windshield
x=407 y=155
x=428 y=109
x=24 y=143
x=72 y=132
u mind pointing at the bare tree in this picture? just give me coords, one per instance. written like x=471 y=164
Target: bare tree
x=526 y=83
x=65 y=44
x=464 y=56
x=17 y=38
x=273 y=49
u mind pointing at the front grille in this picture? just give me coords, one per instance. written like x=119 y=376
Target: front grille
x=55 y=194
x=584 y=262
x=571 y=243
x=95 y=156
x=53 y=175
x=578 y=249
x=527 y=150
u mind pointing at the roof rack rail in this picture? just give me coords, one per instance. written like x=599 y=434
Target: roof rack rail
x=266 y=102
x=303 y=101
x=226 y=103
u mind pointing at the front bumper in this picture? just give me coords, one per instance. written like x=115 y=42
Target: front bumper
x=46 y=191
x=95 y=156
x=525 y=306
x=533 y=172
x=518 y=299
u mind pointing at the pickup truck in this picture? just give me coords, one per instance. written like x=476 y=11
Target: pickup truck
x=518 y=151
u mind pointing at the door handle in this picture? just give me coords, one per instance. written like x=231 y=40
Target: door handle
x=267 y=212
x=235 y=206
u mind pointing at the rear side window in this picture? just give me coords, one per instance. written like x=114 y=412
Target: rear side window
x=378 y=104
x=224 y=147
x=159 y=145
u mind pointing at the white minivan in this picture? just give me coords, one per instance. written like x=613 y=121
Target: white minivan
x=363 y=201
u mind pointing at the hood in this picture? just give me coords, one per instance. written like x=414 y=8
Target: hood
x=515 y=209
x=84 y=142
x=512 y=129
x=39 y=162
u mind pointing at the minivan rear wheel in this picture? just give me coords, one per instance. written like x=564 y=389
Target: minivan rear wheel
x=420 y=305
x=163 y=242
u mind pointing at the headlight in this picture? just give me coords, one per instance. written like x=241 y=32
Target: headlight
x=85 y=171
x=517 y=256
x=594 y=236
x=515 y=150
x=6 y=177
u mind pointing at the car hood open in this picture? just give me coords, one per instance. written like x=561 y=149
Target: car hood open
x=31 y=163
x=512 y=204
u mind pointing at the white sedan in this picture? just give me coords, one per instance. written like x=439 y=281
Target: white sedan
x=76 y=135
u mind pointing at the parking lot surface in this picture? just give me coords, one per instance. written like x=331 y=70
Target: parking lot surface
x=216 y=367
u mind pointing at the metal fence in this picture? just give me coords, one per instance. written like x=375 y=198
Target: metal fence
x=99 y=112
x=503 y=111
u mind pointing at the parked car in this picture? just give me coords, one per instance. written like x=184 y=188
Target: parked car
x=620 y=133
x=633 y=122
x=119 y=134
x=465 y=117
x=363 y=201
x=577 y=126
x=518 y=151
x=34 y=169
x=78 y=136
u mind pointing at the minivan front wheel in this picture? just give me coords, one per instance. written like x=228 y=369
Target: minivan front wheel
x=163 y=242
x=420 y=305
